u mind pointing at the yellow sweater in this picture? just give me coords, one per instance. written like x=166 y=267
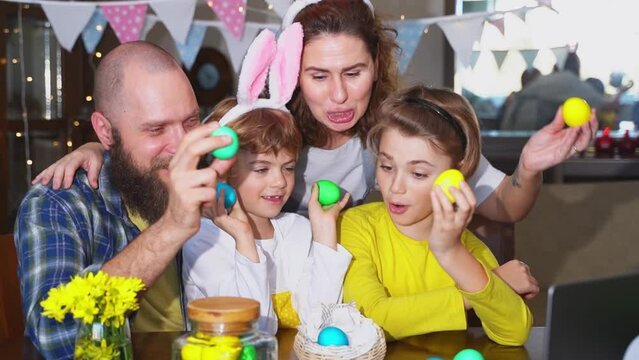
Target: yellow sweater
x=398 y=282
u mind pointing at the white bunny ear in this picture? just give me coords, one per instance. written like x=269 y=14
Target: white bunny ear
x=255 y=67
x=285 y=68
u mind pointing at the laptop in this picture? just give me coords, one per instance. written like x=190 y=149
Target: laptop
x=592 y=319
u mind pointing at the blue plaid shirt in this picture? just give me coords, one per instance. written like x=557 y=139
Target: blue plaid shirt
x=61 y=233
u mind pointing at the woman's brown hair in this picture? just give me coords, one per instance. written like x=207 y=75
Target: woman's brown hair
x=441 y=116
x=350 y=17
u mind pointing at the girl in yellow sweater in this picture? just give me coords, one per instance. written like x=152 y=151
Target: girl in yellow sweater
x=416 y=269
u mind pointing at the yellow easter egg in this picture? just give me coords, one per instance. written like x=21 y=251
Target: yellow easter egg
x=576 y=111
x=191 y=352
x=448 y=178
x=221 y=352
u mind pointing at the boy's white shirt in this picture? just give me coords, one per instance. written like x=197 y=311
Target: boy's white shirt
x=291 y=261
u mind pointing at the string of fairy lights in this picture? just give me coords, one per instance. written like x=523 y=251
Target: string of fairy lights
x=27 y=79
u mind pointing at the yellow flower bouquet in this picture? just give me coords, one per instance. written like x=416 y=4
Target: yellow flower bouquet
x=100 y=303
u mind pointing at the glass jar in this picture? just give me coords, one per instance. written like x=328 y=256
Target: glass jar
x=100 y=341
x=224 y=328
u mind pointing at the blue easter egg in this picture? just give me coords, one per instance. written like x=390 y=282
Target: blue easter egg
x=332 y=336
x=469 y=354
x=230 y=197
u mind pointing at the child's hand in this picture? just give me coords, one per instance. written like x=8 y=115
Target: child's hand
x=517 y=275
x=449 y=221
x=236 y=223
x=88 y=157
x=324 y=219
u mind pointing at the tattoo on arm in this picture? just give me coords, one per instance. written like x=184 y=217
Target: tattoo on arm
x=514 y=179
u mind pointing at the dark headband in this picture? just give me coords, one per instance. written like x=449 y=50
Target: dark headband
x=442 y=113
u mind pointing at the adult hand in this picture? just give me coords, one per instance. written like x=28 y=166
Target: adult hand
x=555 y=143
x=324 y=218
x=449 y=221
x=517 y=275
x=190 y=188
x=88 y=157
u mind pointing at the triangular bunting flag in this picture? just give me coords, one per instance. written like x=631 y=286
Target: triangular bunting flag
x=149 y=23
x=529 y=56
x=474 y=57
x=92 y=33
x=520 y=13
x=189 y=50
x=500 y=56
x=231 y=13
x=68 y=20
x=561 y=53
x=462 y=34
x=547 y=3
x=236 y=48
x=498 y=22
x=177 y=16
x=280 y=6
x=126 y=20
x=409 y=33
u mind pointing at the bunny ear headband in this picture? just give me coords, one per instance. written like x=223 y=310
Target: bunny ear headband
x=280 y=60
x=298 y=5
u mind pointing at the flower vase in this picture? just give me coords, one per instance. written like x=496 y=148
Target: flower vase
x=100 y=341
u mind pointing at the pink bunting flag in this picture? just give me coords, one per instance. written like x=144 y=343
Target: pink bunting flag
x=231 y=13
x=126 y=20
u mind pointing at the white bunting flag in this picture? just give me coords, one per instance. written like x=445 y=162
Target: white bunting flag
x=409 y=33
x=462 y=35
x=68 y=20
x=177 y=16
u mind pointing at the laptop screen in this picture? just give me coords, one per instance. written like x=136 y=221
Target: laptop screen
x=592 y=319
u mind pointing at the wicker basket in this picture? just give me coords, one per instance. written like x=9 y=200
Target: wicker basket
x=307 y=349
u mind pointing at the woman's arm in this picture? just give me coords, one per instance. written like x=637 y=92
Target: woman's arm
x=61 y=173
x=503 y=313
x=550 y=146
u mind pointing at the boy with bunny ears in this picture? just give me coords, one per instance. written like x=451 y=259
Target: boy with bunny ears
x=283 y=260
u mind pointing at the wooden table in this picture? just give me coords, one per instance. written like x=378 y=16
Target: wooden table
x=157 y=346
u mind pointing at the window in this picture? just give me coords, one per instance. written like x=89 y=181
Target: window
x=604 y=34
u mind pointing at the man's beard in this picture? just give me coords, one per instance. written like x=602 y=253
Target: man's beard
x=142 y=191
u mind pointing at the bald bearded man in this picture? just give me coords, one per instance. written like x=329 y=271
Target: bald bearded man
x=148 y=204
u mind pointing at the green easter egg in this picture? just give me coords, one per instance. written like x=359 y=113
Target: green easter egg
x=228 y=151
x=248 y=353
x=469 y=354
x=328 y=192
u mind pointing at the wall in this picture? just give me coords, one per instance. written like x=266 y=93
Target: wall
x=581 y=231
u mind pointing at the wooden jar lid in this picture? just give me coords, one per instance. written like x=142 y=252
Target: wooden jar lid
x=223 y=309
